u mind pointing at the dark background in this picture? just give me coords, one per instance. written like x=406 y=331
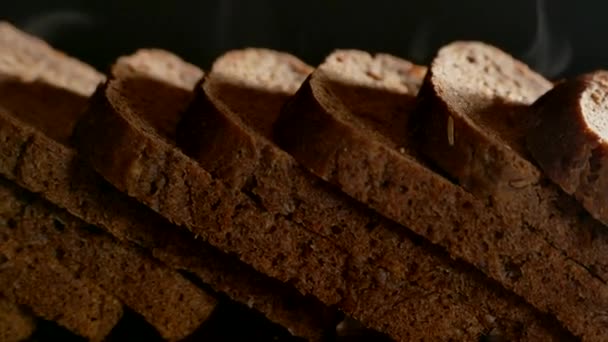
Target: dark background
x=562 y=39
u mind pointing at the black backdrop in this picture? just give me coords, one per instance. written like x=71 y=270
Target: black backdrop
x=563 y=38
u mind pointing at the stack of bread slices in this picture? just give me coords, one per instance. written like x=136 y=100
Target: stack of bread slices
x=365 y=199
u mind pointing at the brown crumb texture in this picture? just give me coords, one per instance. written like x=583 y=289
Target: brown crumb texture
x=490 y=150
x=277 y=244
x=36 y=154
x=491 y=115
x=172 y=304
x=216 y=130
x=189 y=196
x=32 y=278
x=15 y=323
x=324 y=133
x=568 y=139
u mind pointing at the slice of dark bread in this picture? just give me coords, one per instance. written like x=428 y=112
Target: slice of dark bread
x=489 y=120
x=482 y=95
x=15 y=323
x=567 y=139
x=30 y=278
x=228 y=138
x=281 y=75
x=37 y=155
x=170 y=303
x=323 y=131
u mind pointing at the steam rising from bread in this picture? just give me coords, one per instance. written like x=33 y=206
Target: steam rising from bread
x=548 y=54
x=51 y=25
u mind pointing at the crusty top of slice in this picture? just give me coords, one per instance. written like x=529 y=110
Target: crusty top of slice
x=379 y=71
x=262 y=68
x=30 y=59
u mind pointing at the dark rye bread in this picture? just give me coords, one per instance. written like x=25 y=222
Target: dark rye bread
x=323 y=131
x=140 y=160
x=482 y=95
x=568 y=139
x=226 y=136
x=146 y=165
x=273 y=243
x=37 y=155
x=52 y=292
x=169 y=302
x=37 y=91
x=15 y=323
x=30 y=278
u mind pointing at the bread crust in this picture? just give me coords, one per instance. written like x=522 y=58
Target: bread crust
x=565 y=145
x=217 y=131
x=489 y=156
x=37 y=155
x=322 y=132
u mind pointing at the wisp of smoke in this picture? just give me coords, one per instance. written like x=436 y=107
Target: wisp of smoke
x=419 y=46
x=547 y=54
x=50 y=25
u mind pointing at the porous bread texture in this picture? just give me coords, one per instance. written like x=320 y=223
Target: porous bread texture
x=29 y=277
x=256 y=67
x=360 y=68
x=325 y=133
x=216 y=133
x=38 y=156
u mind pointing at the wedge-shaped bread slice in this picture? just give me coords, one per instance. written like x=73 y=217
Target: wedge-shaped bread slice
x=36 y=154
x=169 y=302
x=568 y=139
x=15 y=323
x=52 y=292
x=325 y=133
x=228 y=138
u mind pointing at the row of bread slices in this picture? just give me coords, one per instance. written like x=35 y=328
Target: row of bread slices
x=357 y=124
x=57 y=265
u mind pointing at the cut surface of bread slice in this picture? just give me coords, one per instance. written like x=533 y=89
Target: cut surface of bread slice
x=15 y=323
x=143 y=162
x=324 y=133
x=52 y=292
x=36 y=154
x=43 y=88
x=485 y=94
x=481 y=96
x=280 y=74
x=227 y=137
x=568 y=139
x=170 y=303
